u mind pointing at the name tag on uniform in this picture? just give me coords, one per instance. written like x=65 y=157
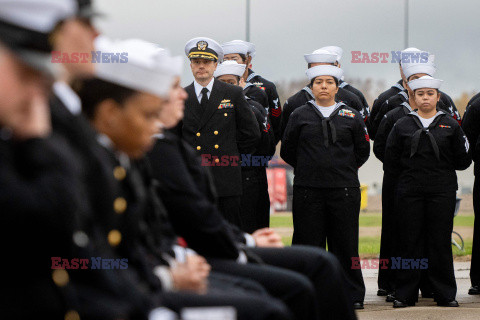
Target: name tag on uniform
x=346 y=113
x=225 y=104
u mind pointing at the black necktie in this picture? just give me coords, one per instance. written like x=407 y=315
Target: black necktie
x=204 y=100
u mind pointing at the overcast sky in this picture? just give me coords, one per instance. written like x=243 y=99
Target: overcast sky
x=285 y=30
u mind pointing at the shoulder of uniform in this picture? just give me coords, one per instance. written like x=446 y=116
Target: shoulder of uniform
x=301 y=109
x=448 y=119
x=348 y=94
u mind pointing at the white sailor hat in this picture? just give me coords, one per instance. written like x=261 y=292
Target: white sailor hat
x=86 y=9
x=205 y=48
x=250 y=46
x=234 y=47
x=411 y=68
x=25 y=26
x=148 y=69
x=320 y=56
x=230 y=67
x=425 y=82
x=324 y=70
x=334 y=49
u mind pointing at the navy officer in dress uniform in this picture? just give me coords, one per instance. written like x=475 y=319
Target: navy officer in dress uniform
x=326 y=142
x=423 y=150
x=275 y=108
x=317 y=58
x=219 y=124
x=255 y=203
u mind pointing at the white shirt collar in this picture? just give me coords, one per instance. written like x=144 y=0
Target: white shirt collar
x=68 y=97
x=199 y=87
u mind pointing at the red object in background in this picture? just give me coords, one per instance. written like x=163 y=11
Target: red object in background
x=277 y=187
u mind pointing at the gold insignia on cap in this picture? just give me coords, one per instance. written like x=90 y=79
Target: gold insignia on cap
x=60 y=277
x=119 y=173
x=114 y=238
x=202 y=45
x=215 y=132
x=120 y=205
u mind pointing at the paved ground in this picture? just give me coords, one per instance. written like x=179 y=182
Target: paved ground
x=377 y=308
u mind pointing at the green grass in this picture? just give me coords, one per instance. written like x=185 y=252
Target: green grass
x=370 y=246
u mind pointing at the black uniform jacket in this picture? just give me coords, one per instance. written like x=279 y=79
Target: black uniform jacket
x=471 y=126
x=37 y=223
x=386 y=127
x=303 y=96
x=257 y=94
x=326 y=152
x=384 y=96
x=187 y=192
x=275 y=107
x=227 y=128
x=266 y=146
x=426 y=158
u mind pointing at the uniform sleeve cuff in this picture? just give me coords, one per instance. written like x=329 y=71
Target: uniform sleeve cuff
x=242 y=258
x=165 y=276
x=249 y=240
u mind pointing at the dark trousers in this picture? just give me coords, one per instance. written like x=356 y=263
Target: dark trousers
x=425 y=223
x=294 y=289
x=331 y=215
x=230 y=209
x=475 y=265
x=386 y=278
x=247 y=307
x=323 y=270
x=255 y=201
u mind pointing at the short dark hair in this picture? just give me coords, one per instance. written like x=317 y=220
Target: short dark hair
x=334 y=79
x=93 y=91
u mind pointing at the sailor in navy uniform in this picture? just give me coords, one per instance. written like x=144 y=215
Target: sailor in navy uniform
x=398 y=93
x=471 y=126
x=219 y=124
x=423 y=150
x=326 y=142
x=275 y=108
x=399 y=105
x=238 y=52
x=255 y=203
x=319 y=57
